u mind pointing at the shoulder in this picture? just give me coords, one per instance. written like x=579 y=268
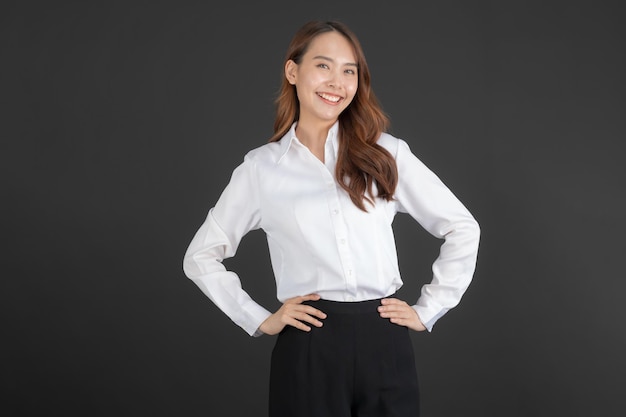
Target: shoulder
x=256 y=158
x=392 y=144
x=267 y=153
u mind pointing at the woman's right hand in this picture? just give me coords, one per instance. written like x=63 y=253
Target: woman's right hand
x=294 y=313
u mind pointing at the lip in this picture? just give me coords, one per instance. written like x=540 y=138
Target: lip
x=326 y=97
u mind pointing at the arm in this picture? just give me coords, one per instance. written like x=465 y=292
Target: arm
x=423 y=195
x=236 y=213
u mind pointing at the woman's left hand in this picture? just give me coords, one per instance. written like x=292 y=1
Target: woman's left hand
x=401 y=313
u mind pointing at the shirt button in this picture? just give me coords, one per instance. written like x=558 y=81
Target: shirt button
x=343 y=241
x=335 y=211
x=350 y=298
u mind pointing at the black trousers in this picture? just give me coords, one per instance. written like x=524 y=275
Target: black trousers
x=356 y=365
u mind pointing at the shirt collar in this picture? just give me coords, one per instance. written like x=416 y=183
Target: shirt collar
x=287 y=140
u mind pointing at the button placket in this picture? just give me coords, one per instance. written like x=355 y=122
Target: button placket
x=341 y=236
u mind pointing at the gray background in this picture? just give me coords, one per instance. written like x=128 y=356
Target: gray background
x=121 y=124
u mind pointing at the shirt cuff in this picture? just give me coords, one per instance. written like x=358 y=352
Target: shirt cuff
x=256 y=316
x=428 y=315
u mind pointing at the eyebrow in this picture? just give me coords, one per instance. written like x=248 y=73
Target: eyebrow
x=332 y=60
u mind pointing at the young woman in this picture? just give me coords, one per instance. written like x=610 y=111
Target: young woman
x=325 y=189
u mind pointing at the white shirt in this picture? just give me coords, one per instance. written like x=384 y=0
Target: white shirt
x=319 y=241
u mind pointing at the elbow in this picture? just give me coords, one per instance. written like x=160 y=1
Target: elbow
x=190 y=268
x=185 y=267
x=475 y=232
x=473 y=229
x=467 y=226
x=464 y=232
x=201 y=263
x=476 y=228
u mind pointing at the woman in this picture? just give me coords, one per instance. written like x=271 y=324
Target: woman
x=325 y=190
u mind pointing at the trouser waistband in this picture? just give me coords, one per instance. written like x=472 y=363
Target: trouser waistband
x=347 y=307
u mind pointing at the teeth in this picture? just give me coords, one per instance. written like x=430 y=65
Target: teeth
x=334 y=99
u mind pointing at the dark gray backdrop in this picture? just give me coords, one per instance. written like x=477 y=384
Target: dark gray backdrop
x=122 y=121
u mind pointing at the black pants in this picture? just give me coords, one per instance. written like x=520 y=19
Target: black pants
x=356 y=365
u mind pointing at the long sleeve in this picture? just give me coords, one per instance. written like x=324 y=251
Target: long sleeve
x=236 y=213
x=423 y=195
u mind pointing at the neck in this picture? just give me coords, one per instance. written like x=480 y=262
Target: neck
x=313 y=135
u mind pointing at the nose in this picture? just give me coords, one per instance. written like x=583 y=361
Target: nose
x=334 y=79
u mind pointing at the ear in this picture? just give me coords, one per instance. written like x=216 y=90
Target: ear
x=290 y=71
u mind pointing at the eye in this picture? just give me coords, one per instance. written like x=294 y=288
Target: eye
x=322 y=65
x=350 y=71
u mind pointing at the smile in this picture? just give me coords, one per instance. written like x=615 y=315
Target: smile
x=329 y=97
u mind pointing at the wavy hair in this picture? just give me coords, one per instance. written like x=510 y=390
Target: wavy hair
x=361 y=162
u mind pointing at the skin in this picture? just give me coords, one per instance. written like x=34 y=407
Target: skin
x=326 y=81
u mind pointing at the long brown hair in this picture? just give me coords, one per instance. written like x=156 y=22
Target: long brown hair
x=361 y=162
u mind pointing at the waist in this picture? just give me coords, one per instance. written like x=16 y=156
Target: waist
x=330 y=306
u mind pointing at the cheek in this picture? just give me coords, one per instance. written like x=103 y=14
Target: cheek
x=304 y=86
x=351 y=90
x=309 y=83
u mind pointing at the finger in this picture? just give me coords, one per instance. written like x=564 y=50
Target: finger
x=302 y=298
x=399 y=312
x=395 y=315
x=298 y=325
x=304 y=317
x=301 y=312
x=310 y=297
x=302 y=321
x=315 y=312
x=391 y=301
x=400 y=322
x=393 y=308
x=304 y=308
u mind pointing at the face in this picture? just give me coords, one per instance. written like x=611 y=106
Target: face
x=326 y=79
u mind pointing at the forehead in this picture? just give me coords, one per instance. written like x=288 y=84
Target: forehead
x=332 y=45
